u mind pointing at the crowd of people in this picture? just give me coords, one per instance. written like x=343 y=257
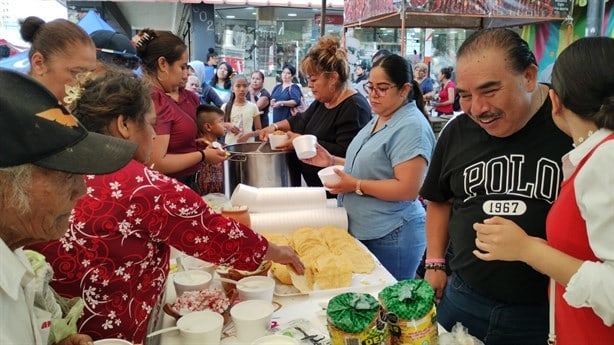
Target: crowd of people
x=513 y=196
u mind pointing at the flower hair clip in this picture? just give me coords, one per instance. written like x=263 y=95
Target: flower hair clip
x=141 y=39
x=73 y=94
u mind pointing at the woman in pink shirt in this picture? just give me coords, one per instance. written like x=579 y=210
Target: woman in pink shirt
x=175 y=153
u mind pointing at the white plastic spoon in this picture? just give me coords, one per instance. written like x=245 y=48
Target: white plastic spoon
x=163 y=330
x=226 y=280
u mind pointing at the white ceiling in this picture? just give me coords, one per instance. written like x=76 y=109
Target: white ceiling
x=167 y=15
x=155 y=15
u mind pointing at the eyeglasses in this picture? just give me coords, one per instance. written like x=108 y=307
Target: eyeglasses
x=380 y=89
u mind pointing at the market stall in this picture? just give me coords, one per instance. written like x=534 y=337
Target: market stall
x=452 y=13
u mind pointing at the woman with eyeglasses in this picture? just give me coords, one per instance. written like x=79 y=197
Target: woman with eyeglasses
x=335 y=116
x=384 y=169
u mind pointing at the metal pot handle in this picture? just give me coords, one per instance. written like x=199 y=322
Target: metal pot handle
x=237 y=157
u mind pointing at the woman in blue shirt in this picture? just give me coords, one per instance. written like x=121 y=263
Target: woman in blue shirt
x=384 y=169
x=285 y=95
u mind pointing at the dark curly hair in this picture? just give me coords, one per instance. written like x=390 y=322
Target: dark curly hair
x=105 y=97
x=156 y=44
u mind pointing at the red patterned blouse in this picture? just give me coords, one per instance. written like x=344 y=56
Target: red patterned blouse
x=115 y=253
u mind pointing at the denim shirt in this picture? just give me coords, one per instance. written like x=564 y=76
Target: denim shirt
x=373 y=156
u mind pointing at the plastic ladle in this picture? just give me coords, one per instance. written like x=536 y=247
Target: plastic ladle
x=264 y=142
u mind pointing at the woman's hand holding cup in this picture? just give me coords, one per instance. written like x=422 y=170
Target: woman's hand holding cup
x=214 y=155
x=287 y=145
x=323 y=158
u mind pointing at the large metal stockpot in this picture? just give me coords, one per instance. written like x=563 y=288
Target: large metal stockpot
x=256 y=165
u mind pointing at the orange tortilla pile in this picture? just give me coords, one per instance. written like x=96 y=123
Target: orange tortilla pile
x=330 y=256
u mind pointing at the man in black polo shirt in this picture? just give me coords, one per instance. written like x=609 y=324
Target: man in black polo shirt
x=502 y=157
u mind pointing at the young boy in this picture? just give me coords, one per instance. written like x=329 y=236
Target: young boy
x=210 y=121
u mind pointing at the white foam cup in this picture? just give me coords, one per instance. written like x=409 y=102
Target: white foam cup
x=276 y=140
x=201 y=327
x=191 y=280
x=328 y=175
x=252 y=319
x=244 y=195
x=275 y=339
x=256 y=287
x=305 y=146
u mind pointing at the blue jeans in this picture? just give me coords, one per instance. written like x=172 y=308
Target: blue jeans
x=493 y=322
x=401 y=250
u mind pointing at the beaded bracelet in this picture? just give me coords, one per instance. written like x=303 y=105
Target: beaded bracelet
x=440 y=267
x=435 y=261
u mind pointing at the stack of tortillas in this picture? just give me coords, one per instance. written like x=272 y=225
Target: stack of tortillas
x=330 y=256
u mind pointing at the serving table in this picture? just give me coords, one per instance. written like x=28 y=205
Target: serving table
x=294 y=306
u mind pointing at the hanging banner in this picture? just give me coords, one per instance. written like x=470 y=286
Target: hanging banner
x=358 y=10
x=453 y=13
x=498 y=8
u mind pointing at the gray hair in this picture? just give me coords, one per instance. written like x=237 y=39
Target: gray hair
x=14 y=183
x=422 y=66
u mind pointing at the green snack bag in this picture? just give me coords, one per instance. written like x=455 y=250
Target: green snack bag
x=410 y=312
x=356 y=317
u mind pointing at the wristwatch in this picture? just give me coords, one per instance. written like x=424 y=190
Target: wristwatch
x=358 y=190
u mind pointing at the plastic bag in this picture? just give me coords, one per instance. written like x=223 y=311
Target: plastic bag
x=217 y=201
x=458 y=336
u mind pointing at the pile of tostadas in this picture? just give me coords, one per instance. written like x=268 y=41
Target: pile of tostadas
x=330 y=256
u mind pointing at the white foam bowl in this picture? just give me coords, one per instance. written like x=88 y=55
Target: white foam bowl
x=256 y=287
x=201 y=327
x=277 y=139
x=305 y=146
x=252 y=319
x=328 y=175
x=191 y=280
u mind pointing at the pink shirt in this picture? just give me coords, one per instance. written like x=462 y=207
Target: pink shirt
x=443 y=97
x=177 y=119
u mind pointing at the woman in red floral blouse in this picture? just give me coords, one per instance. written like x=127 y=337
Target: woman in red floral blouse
x=115 y=254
